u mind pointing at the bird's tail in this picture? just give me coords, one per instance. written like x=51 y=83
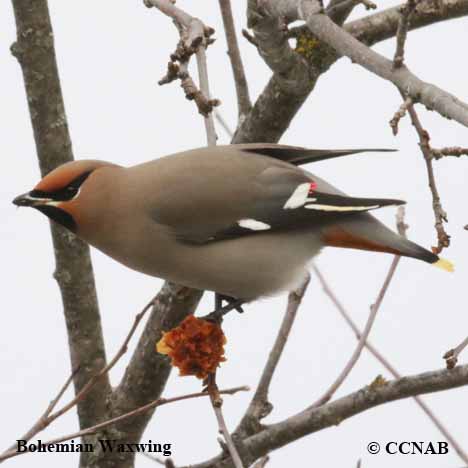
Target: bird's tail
x=363 y=231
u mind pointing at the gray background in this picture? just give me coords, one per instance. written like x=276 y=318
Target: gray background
x=110 y=55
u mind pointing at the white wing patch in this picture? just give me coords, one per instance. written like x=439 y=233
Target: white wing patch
x=253 y=224
x=301 y=198
x=298 y=198
x=340 y=208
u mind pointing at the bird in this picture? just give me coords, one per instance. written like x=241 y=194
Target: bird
x=243 y=220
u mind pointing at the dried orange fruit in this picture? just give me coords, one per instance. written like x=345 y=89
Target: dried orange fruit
x=196 y=346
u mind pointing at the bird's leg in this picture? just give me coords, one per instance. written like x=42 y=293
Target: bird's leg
x=218 y=299
x=220 y=311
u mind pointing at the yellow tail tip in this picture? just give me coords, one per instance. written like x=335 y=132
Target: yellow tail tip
x=444 y=264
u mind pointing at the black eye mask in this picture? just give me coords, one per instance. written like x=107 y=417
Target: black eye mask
x=65 y=193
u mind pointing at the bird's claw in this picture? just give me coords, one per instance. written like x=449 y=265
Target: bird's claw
x=220 y=311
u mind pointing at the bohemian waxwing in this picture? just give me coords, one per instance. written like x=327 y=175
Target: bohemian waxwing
x=240 y=220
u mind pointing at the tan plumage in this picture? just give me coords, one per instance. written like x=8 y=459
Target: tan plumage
x=239 y=220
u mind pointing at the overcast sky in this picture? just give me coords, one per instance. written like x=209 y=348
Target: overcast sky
x=110 y=56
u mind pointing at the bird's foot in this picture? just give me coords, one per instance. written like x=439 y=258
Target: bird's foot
x=219 y=298
x=220 y=310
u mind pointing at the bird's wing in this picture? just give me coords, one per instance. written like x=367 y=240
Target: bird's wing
x=276 y=199
x=299 y=156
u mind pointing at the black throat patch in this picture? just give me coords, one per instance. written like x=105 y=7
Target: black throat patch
x=58 y=215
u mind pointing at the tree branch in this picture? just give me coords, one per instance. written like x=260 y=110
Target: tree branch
x=205 y=89
x=344 y=43
x=405 y=16
x=242 y=90
x=384 y=24
x=131 y=414
x=35 y=52
x=313 y=420
x=288 y=92
x=373 y=350
x=399 y=114
x=217 y=404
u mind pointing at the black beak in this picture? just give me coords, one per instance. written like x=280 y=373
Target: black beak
x=26 y=200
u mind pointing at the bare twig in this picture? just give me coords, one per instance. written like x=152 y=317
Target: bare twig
x=180 y=71
x=260 y=407
x=217 y=403
x=223 y=123
x=451 y=356
x=44 y=420
x=399 y=114
x=455 y=151
x=194 y=38
x=405 y=16
x=373 y=350
x=130 y=414
x=361 y=343
x=443 y=239
x=370 y=321
x=204 y=105
x=120 y=352
x=242 y=90
x=205 y=89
